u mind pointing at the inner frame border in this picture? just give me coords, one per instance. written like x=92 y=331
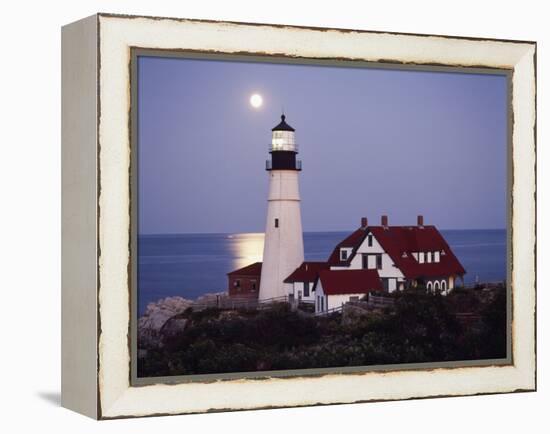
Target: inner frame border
x=136 y=52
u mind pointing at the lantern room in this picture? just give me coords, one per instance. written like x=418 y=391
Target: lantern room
x=282 y=138
x=283 y=148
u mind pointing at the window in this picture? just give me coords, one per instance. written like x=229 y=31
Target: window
x=429 y=255
x=237 y=283
x=429 y=285
x=365 y=260
x=369 y=240
x=306 y=289
x=436 y=286
x=371 y=262
x=343 y=254
x=436 y=256
x=421 y=257
x=444 y=285
x=253 y=285
x=276 y=223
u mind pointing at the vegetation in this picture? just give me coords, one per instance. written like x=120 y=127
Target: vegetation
x=419 y=327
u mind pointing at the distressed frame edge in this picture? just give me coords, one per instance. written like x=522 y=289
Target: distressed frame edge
x=304 y=27
x=529 y=386
x=79 y=267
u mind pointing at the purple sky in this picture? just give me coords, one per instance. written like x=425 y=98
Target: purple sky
x=372 y=142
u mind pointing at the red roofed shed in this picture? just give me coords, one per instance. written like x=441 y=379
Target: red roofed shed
x=245 y=282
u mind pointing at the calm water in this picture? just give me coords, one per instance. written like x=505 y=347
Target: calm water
x=194 y=264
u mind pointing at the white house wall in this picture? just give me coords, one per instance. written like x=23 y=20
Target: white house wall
x=334 y=301
x=296 y=287
x=319 y=293
x=299 y=286
x=375 y=248
x=331 y=301
x=388 y=269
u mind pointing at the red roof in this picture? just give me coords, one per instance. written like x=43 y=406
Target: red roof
x=254 y=269
x=399 y=242
x=307 y=272
x=349 y=281
x=353 y=241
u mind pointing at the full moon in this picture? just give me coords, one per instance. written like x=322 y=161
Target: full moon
x=256 y=100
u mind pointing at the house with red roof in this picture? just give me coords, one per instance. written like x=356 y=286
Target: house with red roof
x=372 y=258
x=303 y=280
x=383 y=258
x=334 y=288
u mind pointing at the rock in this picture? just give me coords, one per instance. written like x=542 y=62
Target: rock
x=158 y=321
x=173 y=326
x=156 y=315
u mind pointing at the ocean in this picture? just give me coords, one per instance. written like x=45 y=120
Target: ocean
x=190 y=265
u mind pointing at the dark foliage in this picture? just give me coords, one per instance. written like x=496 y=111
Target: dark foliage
x=419 y=327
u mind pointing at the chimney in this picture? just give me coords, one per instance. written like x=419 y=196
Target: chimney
x=420 y=221
x=384 y=221
x=364 y=222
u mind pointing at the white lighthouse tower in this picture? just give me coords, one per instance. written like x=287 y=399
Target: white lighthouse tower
x=283 y=246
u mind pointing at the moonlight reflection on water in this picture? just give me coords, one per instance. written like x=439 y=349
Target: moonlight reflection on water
x=246 y=248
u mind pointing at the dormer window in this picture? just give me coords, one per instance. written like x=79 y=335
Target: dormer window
x=421 y=257
x=343 y=254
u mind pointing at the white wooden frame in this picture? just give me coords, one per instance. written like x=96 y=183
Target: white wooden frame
x=96 y=215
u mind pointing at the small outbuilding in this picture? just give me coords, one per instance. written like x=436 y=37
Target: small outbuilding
x=303 y=281
x=334 y=288
x=245 y=282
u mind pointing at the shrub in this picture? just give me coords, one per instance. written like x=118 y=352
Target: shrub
x=419 y=327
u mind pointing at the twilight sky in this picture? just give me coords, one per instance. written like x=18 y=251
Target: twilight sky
x=372 y=142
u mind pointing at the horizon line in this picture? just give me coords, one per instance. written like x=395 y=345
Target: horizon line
x=149 y=234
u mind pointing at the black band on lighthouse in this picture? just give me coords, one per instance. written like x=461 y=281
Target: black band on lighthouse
x=283 y=160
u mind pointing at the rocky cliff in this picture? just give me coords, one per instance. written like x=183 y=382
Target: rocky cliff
x=161 y=318
x=156 y=316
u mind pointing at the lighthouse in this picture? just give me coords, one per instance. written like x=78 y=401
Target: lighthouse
x=283 y=245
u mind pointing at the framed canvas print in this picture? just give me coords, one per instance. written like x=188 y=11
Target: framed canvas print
x=261 y=216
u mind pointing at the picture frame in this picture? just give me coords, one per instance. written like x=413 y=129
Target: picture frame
x=98 y=160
